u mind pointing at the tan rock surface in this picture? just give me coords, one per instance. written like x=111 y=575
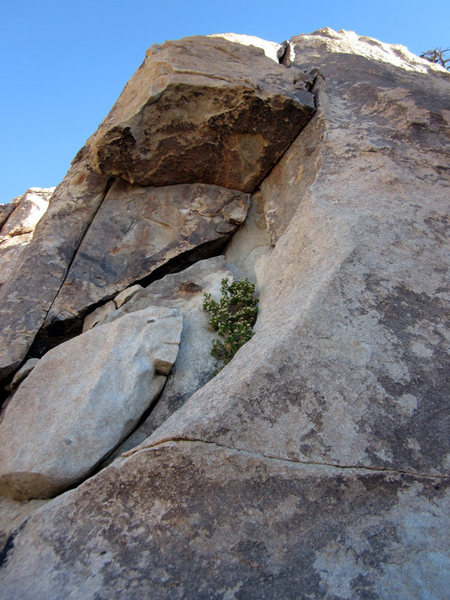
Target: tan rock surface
x=23 y=372
x=188 y=520
x=194 y=365
x=349 y=362
x=202 y=109
x=17 y=231
x=316 y=462
x=82 y=399
x=139 y=229
x=7 y=209
x=26 y=297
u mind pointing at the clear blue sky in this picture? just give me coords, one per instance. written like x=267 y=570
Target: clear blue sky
x=64 y=63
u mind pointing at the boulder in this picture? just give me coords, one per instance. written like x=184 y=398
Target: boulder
x=189 y=520
x=82 y=399
x=202 y=109
x=194 y=366
x=138 y=230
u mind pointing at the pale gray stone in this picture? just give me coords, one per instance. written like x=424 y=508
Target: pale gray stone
x=17 y=231
x=316 y=462
x=82 y=399
x=194 y=365
x=26 y=297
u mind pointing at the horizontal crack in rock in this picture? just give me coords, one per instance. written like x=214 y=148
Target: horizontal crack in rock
x=280 y=458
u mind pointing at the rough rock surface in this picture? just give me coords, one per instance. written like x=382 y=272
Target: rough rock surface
x=139 y=229
x=194 y=365
x=18 y=226
x=192 y=521
x=7 y=209
x=26 y=298
x=82 y=399
x=202 y=109
x=23 y=372
x=315 y=464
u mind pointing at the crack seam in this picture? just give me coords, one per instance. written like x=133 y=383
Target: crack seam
x=279 y=458
x=75 y=254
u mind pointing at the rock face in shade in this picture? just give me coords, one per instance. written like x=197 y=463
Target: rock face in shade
x=139 y=229
x=82 y=399
x=18 y=226
x=26 y=297
x=315 y=464
x=202 y=109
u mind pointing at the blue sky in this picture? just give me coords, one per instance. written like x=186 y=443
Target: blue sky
x=63 y=64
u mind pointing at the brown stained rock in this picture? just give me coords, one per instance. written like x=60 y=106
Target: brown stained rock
x=191 y=521
x=139 y=229
x=82 y=399
x=40 y=271
x=202 y=109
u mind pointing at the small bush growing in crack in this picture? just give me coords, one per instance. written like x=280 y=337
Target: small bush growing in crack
x=232 y=317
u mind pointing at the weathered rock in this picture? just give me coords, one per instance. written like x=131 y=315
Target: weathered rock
x=316 y=463
x=202 y=109
x=23 y=372
x=194 y=365
x=7 y=209
x=17 y=231
x=190 y=520
x=251 y=241
x=98 y=315
x=40 y=271
x=82 y=399
x=127 y=294
x=28 y=212
x=349 y=363
x=137 y=230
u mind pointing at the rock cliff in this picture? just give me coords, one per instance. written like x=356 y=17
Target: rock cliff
x=315 y=464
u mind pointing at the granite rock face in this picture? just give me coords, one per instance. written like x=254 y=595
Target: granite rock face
x=26 y=298
x=140 y=229
x=21 y=217
x=315 y=464
x=202 y=109
x=194 y=366
x=82 y=399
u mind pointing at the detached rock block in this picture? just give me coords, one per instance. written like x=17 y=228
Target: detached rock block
x=202 y=109
x=139 y=229
x=101 y=383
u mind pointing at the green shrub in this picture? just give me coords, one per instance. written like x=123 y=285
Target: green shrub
x=232 y=317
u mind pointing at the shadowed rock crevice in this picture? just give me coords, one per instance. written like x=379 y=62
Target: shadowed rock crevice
x=52 y=334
